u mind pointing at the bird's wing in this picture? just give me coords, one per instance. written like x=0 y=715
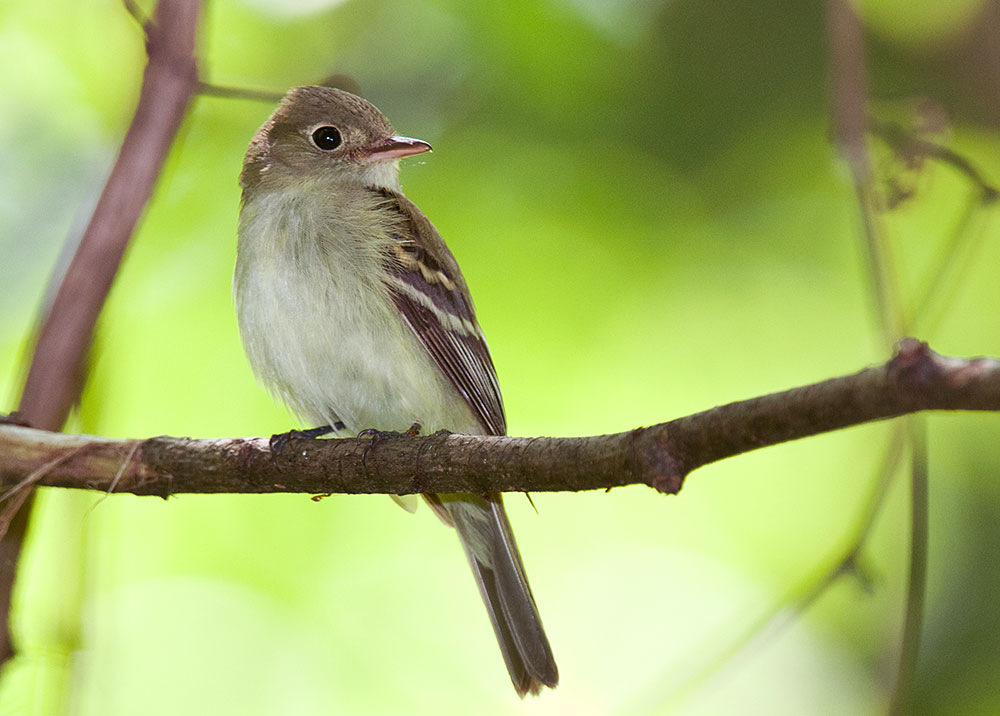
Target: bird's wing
x=430 y=292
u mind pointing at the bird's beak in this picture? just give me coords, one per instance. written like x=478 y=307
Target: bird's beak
x=396 y=147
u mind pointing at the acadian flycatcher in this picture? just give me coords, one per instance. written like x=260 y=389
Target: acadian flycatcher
x=353 y=311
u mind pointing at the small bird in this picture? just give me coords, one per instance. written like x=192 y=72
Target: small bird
x=353 y=311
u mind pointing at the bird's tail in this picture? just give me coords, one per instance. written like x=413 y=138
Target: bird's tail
x=489 y=544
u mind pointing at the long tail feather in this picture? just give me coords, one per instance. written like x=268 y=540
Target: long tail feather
x=489 y=544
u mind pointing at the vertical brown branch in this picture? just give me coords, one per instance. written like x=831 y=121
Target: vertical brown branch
x=169 y=79
x=849 y=112
x=849 y=87
x=53 y=384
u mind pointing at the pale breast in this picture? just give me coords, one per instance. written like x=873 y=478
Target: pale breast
x=317 y=324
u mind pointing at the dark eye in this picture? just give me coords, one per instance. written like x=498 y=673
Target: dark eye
x=327 y=138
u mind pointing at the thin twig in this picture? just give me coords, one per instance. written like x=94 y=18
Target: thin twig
x=121 y=471
x=849 y=98
x=137 y=14
x=213 y=90
x=917 y=580
x=906 y=144
x=959 y=249
x=850 y=112
x=953 y=261
x=880 y=263
x=696 y=672
x=118 y=476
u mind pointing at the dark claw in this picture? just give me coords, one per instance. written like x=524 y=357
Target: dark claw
x=375 y=436
x=279 y=440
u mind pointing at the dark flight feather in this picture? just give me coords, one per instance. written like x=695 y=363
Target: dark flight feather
x=430 y=293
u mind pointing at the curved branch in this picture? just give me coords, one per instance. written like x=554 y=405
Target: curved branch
x=660 y=456
x=53 y=383
x=55 y=377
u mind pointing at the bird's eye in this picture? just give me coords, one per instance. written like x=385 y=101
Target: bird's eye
x=327 y=138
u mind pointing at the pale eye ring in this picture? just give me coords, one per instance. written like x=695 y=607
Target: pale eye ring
x=327 y=138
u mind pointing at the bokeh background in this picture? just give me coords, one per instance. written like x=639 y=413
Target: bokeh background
x=646 y=204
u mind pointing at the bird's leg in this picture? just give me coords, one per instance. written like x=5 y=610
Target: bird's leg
x=279 y=440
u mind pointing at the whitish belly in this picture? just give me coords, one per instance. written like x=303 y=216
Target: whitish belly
x=335 y=349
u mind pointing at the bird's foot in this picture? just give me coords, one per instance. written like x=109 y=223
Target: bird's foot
x=279 y=440
x=374 y=437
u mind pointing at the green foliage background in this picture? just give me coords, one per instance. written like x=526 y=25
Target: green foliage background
x=645 y=203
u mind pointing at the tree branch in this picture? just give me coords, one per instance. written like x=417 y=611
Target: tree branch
x=55 y=377
x=660 y=456
x=170 y=79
